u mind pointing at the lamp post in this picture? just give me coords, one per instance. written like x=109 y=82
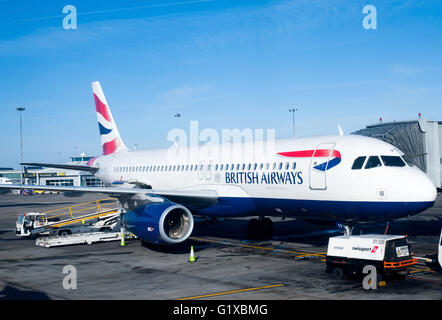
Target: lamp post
x=293 y=110
x=20 y=110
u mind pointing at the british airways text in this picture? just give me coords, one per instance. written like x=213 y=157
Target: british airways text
x=248 y=177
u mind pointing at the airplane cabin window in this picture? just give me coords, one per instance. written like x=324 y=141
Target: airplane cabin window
x=267 y=166
x=254 y=166
x=373 y=162
x=294 y=165
x=274 y=165
x=243 y=166
x=249 y=166
x=287 y=166
x=221 y=167
x=280 y=165
x=393 y=161
x=358 y=163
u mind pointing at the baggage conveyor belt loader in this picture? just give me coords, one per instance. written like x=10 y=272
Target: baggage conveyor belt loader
x=89 y=218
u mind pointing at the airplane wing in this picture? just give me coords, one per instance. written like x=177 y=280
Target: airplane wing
x=62 y=166
x=193 y=199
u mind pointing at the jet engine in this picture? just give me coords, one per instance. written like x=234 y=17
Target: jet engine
x=159 y=223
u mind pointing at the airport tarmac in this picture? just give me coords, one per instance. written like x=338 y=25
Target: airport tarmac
x=288 y=266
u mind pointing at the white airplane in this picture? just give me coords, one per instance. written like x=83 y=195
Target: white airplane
x=345 y=178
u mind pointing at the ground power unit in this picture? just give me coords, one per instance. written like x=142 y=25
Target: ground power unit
x=389 y=254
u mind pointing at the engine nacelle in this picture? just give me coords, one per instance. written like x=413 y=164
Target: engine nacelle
x=167 y=223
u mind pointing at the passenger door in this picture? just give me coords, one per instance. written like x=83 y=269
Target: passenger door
x=201 y=170
x=208 y=170
x=318 y=165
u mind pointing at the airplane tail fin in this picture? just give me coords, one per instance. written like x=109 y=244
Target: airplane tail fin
x=110 y=137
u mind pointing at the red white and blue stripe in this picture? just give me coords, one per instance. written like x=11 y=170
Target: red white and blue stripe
x=333 y=156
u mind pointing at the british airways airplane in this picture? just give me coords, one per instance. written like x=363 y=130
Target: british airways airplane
x=344 y=179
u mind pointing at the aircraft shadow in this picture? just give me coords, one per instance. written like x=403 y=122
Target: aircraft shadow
x=11 y=293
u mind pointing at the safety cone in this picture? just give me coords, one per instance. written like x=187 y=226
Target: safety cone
x=122 y=243
x=192 y=255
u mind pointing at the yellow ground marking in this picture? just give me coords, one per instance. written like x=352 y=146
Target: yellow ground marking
x=231 y=292
x=420 y=269
x=299 y=254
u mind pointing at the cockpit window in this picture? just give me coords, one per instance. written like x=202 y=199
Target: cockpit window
x=359 y=162
x=409 y=160
x=393 y=161
x=373 y=162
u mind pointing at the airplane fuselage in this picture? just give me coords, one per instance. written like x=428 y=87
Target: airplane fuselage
x=314 y=178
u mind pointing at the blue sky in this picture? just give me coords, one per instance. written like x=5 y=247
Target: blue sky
x=228 y=64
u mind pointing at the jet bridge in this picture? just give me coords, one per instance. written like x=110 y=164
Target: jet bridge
x=420 y=140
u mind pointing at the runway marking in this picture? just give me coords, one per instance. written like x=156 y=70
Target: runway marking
x=299 y=253
x=231 y=292
x=420 y=269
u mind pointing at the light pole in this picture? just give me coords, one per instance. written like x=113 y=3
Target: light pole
x=20 y=110
x=293 y=110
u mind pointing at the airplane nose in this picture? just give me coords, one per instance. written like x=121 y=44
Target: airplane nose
x=425 y=189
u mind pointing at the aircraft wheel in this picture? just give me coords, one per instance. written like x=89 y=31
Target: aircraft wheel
x=253 y=228
x=267 y=227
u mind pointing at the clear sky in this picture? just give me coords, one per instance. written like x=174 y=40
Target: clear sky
x=228 y=64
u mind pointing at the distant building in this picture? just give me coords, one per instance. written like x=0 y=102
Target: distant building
x=420 y=140
x=53 y=176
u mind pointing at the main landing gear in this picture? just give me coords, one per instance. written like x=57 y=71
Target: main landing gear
x=260 y=228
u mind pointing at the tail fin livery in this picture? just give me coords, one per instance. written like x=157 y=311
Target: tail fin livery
x=110 y=137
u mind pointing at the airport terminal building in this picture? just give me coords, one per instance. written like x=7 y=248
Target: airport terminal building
x=53 y=176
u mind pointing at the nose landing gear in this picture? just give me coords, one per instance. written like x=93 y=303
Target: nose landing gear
x=345 y=227
x=260 y=228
